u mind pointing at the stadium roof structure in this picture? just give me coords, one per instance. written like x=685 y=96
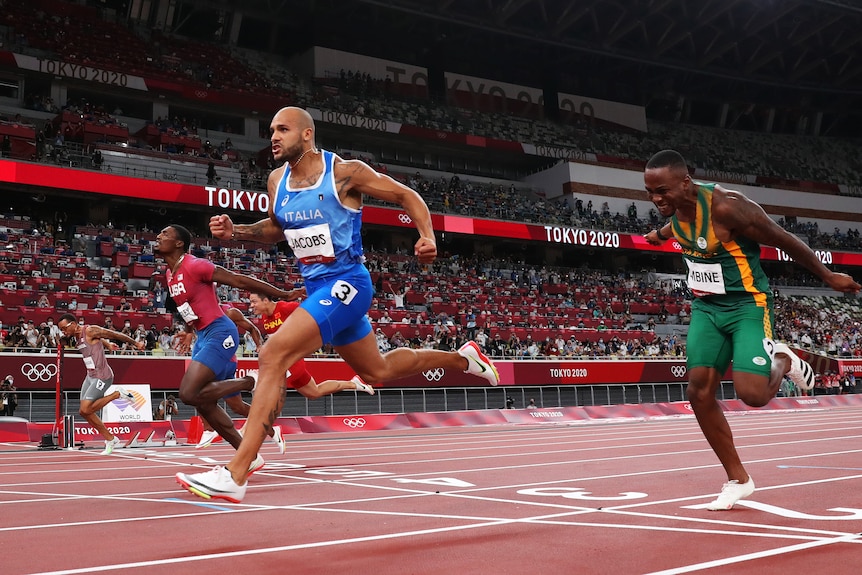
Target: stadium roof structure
x=800 y=54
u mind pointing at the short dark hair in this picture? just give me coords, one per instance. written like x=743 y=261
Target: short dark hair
x=68 y=317
x=184 y=235
x=667 y=159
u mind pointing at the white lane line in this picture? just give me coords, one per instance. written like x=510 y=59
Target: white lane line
x=757 y=555
x=248 y=552
x=484 y=524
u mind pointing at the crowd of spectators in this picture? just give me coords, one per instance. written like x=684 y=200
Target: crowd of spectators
x=109 y=44
x=99 y=41
x=454 y=194
x=828 y=325
x=512 y=309
x=821 y=159
x=792 y=157
x=464 y=196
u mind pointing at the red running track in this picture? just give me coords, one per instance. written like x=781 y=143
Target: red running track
x=619 y=498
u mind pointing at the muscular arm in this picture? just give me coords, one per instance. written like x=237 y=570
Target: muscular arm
x=95 y=333
x=743 y=217
x=226 y=277
x=354 y=178
x=266 y=230
x=244 y=325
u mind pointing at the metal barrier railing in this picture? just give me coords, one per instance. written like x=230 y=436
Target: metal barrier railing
x=40 y=405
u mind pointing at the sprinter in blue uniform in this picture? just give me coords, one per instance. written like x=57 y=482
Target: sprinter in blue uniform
x=316 y=205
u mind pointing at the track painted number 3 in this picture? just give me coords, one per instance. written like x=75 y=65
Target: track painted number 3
x=580 y=493
x=343 y=292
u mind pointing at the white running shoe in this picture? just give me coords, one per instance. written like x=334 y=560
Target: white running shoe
x=478 y=363
x=256 y=465
x=800 y=372
x=731 y=492
x=278 y=438
x=207 y=437
x=361 y=385
x=111 y=444
x=124 y=393
x=216 y=483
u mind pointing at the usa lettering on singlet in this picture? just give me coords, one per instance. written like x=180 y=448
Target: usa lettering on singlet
x=194 y=291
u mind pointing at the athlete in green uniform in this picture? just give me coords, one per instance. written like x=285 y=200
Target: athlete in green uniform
x=720 y=232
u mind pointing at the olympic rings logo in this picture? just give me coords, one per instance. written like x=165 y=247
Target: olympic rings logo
x=434 y=374
x=39 y=371
x=404 y=218
x=202 y=94
x=354 y=422
x=677 y=370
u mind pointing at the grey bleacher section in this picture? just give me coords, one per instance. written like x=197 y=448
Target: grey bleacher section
x=176 y=168
x=814 y=292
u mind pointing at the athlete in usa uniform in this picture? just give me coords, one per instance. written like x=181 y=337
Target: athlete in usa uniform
x=315 y=203
x=191 y=285
x=234 y=400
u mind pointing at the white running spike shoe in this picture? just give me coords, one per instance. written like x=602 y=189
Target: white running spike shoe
x=256 y=465
x=731 y=492
x=361 y=385
x=478 y=363
x=112 y=444
x=216 y=483
x=278 y=439
x=800 y=372
x=124 y=393
x=207 y=437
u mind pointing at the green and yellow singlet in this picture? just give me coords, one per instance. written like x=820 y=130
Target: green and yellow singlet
x=719 y=272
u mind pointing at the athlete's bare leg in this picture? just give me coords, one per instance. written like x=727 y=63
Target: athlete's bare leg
x=702 y=385
x=301 y=338
x=215 y=390
x=198 y=376
x=88 y=410
x=238 y=406
x=313 y=390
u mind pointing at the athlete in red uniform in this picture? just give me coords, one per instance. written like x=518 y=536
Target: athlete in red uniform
x=273 y=315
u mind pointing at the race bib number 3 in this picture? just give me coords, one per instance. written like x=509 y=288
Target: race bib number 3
x=343 y=292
